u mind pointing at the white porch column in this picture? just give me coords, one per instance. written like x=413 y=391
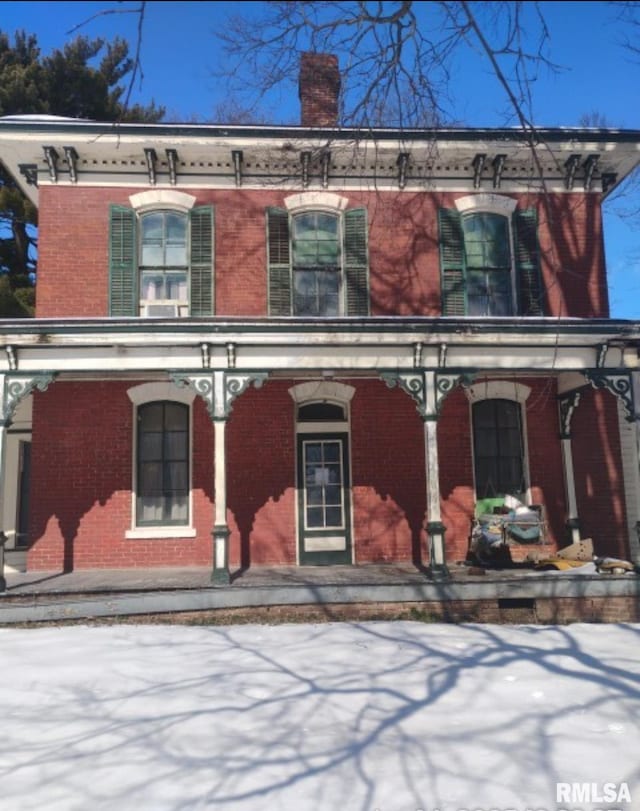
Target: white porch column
x=219 y=388
x=220 y=530
x=4 y=424
x=435 y=527
x=567 y=405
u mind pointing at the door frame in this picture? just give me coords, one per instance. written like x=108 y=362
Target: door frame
x=327 y=556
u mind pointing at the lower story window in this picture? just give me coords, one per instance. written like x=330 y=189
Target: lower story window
x=498 y=448
x=163 y=464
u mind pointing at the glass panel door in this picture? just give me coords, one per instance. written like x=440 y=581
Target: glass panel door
x=323 y=499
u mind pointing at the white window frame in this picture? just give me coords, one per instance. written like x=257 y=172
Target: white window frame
x=161 y=201
x=486 y=203
x=142 y=395
x=502 y=390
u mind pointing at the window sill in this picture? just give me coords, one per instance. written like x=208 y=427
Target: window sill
x=160 y=532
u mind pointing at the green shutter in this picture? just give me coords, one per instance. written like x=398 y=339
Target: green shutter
x=452 y=262
x=201 y=268
x=279 y=262
x=527 y=260
x=123 y=272
x=356 y=264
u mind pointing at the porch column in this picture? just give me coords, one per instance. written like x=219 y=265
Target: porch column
x=13 y=387
x=435 y=527
x=220 y=533
x=219 y=389
x=429 y=388
x=4 y=424
x=567 y=404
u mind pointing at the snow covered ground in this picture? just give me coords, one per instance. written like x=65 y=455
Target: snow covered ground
x=394 y=716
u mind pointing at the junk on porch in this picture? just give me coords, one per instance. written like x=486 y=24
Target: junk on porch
x=503 y=522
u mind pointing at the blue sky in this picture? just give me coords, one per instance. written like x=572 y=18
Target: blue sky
x=180 y=53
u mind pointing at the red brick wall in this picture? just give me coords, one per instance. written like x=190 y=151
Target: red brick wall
x=456 y=465
x=403 y=242
x=79 y=519
x=598 y=474
x=388 y=474
x=81 y=482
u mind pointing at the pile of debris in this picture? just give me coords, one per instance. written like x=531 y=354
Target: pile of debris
x=579 y=554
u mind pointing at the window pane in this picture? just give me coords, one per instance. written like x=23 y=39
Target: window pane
x=176 y=225
x=176 y=256
x=151 y=417
x=333 y=517
x=150 y=478
x=152 y=255
x=315 y=517
x=175 y=417
x=176 y=477
x=313 y=452
x=332 y=451
x=149 y=509
x=152 y=227
x=151 y=286
x=314 y=496
x=333 y=494
x=150 y=447
x=175 y=446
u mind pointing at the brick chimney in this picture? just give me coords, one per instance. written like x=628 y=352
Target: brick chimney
x=319 y=89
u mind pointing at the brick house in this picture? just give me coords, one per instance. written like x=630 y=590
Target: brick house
x=308 y=345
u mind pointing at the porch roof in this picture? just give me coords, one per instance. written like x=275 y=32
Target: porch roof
x=131 y=346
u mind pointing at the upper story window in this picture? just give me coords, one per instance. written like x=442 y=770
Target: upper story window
x=164 y=272
x=316 y=264
x=317 y=257
x=489 y=258
x=161 y=256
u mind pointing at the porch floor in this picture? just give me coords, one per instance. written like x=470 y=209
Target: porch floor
x=49 y=596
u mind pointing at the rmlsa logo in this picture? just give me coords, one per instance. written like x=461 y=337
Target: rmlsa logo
x=592 y=793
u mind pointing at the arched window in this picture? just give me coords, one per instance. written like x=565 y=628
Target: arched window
x=498 y=448
x=317 y=255
x=164 y=262
x=162 y=461
x=489 y=258
x=161 y=256
x=315 y=244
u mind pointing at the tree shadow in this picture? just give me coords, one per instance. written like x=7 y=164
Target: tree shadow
x=354 y=716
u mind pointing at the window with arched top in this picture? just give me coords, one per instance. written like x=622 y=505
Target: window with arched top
x=317 y=254
x=162 y=464
x=498 y=448
x=489 y=258
x=161 y=256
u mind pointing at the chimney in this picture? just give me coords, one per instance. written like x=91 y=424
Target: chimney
x=319 y=89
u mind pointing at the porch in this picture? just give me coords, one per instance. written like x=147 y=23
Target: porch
x=257 y=594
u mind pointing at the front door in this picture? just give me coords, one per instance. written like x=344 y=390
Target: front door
x=324 y=499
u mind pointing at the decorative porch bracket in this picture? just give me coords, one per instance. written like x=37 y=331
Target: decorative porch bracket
x=429 y=390
x=619 y=384
x=13 y=388
x=567 y=404
x=219 y=389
